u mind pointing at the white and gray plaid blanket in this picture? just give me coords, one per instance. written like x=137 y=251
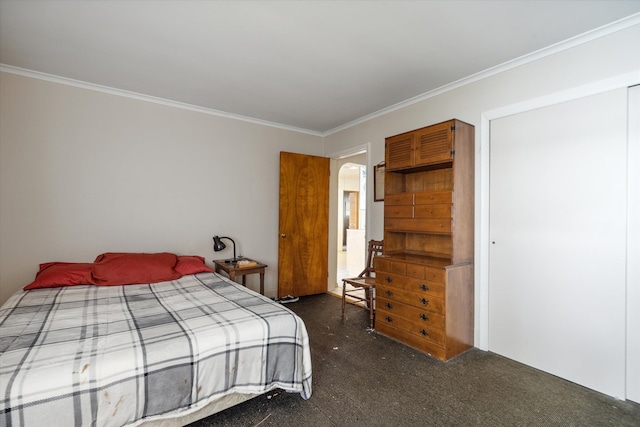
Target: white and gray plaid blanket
x=112 y=356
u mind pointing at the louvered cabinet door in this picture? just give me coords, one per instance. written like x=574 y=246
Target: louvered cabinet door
x=400 y=151
x=435 y=143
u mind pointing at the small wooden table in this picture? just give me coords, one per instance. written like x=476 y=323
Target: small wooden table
x=233 y=270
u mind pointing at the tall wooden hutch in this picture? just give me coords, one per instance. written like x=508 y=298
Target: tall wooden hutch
x=424 y=281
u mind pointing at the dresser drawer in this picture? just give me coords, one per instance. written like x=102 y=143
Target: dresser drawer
x=434 y=274
x=416 y=341
x=419 y=286
x=398 y=199
x=418 y=224
x=394 y=211
x=416 y=299
x=418 y=211
x=431 y=211
x=416 y=271
x=384 y=265
x=409 y=313
x=397 y=267
x=388 y=265
x=420 y=330
x=433 y=198
x=381 y=264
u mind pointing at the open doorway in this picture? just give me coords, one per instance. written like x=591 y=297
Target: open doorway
x=352 y=196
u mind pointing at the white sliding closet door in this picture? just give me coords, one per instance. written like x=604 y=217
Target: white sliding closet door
x=558 y=239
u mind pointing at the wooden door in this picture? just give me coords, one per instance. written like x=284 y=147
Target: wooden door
x=304 y=225
x=354 y=208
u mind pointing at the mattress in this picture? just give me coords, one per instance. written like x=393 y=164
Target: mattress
x=126 y=355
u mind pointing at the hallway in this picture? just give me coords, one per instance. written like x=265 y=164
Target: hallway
x=343 y=272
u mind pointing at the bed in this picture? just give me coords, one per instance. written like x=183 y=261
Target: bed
x=165 y=353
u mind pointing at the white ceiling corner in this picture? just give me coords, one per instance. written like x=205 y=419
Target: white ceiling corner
x=309 y=66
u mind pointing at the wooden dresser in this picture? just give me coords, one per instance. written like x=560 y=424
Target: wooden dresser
x=424 y=280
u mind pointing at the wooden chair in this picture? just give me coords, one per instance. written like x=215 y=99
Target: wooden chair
x=365 y=280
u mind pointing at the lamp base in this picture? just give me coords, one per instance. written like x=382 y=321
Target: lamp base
x=232 y=260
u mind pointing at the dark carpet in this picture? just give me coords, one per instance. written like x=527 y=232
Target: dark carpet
x=361 y=378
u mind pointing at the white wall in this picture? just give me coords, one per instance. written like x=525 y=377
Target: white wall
x=605 y=57
x=604 y=61
x=598 y=59
x=348 y=180
x=84 y=172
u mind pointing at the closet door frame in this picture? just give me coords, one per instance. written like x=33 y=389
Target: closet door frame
x=633 y=246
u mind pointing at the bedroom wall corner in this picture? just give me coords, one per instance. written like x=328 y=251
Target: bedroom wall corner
x=564 y=71
x=84 y=172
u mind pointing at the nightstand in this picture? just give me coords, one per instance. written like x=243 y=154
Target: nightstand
x=232 y=270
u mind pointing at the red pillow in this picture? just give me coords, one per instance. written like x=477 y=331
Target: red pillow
x=191 y=264
x=58 y=274
x=110 y=269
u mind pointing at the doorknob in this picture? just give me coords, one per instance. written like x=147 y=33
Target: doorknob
x=283 y=235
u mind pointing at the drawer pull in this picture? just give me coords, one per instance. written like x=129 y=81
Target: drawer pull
x=388 y=319
x=389 y=293
x=389 y=279
x=424 y=287
x=424 y=332
x=424 y=301
x=424 y=317
x=389 y=305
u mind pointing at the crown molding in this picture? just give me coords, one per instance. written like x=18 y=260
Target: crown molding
x=141 y=97
x=597 y=33
x=525 y=59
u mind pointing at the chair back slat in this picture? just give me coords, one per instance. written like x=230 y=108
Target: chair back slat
x=364 y=281
x=375 y=248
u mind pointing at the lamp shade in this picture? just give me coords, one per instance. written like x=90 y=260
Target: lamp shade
x=218 y=245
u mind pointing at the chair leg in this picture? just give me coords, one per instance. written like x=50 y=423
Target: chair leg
x=371 y=308
x=344 y=296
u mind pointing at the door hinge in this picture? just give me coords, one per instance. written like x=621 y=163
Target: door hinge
x=453 y=152
x=453 y=128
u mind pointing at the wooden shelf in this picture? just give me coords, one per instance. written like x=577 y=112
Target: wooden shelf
x=426 y=272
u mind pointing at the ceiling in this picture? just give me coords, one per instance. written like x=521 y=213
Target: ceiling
x=313 y=66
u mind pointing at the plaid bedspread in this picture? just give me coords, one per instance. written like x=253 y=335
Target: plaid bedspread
x=112 y=356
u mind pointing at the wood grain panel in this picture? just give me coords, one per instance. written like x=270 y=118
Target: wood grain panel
x=420 y=343
x=416 y=299
x=304 y=225
x=429 y=240
x=419 y=225
x=433 y=198
x=435 y=144
x=399 y=151
x=420 y=286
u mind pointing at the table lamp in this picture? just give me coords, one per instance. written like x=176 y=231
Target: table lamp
x=218 y=246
